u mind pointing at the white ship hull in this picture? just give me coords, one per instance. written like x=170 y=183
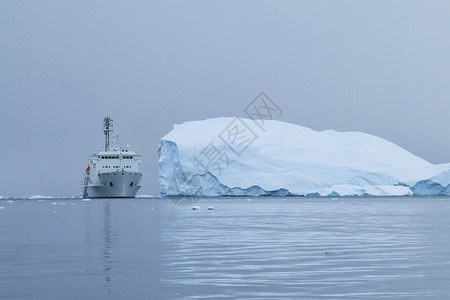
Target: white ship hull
x=114 y=185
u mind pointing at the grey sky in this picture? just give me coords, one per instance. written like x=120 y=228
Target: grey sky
x=381 y=67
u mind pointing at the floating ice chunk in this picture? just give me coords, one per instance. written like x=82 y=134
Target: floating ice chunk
x=40 y=197
x=195 y=207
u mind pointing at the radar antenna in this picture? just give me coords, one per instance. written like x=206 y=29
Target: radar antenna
x=107 y=130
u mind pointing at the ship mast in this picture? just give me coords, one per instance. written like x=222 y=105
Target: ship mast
x=107 y=130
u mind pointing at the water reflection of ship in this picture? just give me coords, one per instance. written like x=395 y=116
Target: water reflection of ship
x=123 y=246
x=107 y=255
x=99 y=244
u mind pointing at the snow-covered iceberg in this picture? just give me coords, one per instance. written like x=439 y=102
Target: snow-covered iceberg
x=235 y=156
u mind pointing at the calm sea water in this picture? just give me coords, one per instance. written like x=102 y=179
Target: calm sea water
x=258 y=248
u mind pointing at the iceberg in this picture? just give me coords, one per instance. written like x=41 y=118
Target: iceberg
x=233 y=156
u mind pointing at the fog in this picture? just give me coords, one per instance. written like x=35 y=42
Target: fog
x=379 y=67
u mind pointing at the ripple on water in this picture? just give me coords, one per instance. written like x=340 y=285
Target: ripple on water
x=272 y=252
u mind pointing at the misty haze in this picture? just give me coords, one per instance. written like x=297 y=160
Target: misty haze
x=224 y=149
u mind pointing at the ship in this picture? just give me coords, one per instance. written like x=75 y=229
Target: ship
x=114 y=172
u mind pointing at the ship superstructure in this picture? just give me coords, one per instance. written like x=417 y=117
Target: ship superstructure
x=114 y=172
